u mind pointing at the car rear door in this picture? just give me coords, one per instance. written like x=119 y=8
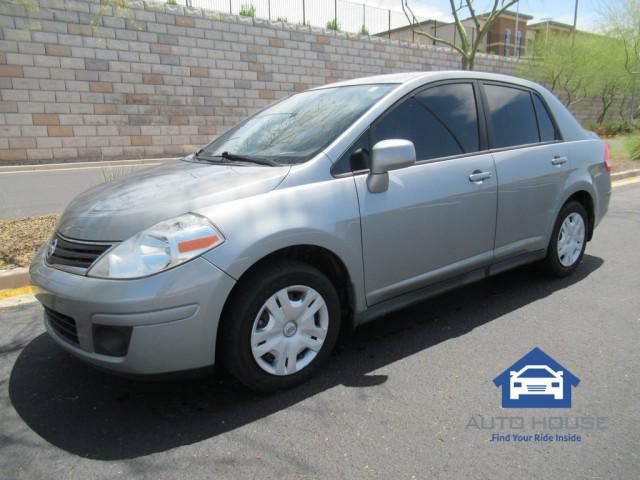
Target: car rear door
x=437 y=218
x=532 y=166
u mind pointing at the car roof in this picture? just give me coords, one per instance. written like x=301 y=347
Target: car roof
x=546 y=368
x=417 y=78
x=388 y=78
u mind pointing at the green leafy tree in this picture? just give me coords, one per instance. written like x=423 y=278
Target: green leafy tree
x=609 y=77
x=591 y=65
x=467 y=45
x=561 y=65
x=621 y=19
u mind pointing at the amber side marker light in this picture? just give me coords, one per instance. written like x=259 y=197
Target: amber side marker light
x=198 y=243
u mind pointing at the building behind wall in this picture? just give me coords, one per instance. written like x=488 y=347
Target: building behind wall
x=542 y=31
x=501 y=39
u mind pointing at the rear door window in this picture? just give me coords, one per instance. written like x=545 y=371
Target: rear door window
x=512 y=119
x=455 y=106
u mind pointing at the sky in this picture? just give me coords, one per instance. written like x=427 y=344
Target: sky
x=557 y=10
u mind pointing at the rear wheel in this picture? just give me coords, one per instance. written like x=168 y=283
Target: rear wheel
x=568 y=240
x=281 y=326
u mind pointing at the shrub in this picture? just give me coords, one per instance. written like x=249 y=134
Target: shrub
x=633 y=147
x=601 y=130
x=610 y=129
x=620 y=127
x=247 y=10
x=333 y=25
x=172 y=2
x=364 y=30
x=282 y=19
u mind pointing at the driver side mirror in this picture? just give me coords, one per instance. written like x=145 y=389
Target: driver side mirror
x=389 y=155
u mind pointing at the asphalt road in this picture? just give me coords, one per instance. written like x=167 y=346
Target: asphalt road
x=395 y=401
x=41 y=192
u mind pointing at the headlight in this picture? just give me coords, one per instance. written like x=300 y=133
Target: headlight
x=159 y=248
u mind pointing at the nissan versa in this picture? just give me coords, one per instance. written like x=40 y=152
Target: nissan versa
x=329 y=208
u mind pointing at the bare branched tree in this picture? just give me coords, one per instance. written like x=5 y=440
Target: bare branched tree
x=469 y=44
x=608 y=94
x=574 y=90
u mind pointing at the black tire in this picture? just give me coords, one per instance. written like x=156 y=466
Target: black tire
x=247 y=301
x=552 y=264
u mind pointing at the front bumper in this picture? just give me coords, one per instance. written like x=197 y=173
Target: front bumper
x=173 y=315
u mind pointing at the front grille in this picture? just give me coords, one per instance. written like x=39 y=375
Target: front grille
x=75 y=253
x=536 y=388
x=63 y=325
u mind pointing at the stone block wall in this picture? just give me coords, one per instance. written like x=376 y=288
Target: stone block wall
x=82 y=81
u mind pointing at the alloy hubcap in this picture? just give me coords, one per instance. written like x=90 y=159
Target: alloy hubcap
x=571 y=239
x=289 y=330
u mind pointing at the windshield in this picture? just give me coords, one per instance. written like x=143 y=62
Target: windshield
x=535 y=373
x=297 y=128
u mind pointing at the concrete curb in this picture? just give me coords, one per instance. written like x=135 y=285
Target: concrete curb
x=14 y=278
x=17 y=301
x=635 y=172
x=75 y=165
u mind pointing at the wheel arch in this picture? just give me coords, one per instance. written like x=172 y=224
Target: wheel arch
x=325 y=260
x=585 y=198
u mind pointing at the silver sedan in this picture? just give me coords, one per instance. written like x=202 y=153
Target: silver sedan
x=325 y=210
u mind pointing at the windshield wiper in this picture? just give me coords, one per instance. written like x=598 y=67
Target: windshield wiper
x=227 y=158
x=244 y=158
x=211 y=158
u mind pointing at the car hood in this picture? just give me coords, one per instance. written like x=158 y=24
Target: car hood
x=116 y=210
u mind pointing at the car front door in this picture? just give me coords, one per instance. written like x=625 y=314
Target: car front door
x=437 y=218
x=532 y=166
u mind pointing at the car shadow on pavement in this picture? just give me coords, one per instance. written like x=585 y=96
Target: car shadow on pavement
x=100 y=416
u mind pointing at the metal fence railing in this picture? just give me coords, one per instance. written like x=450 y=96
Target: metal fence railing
x=357 y=18
x=349 y=16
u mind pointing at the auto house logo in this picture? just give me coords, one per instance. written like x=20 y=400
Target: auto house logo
x=536 y=381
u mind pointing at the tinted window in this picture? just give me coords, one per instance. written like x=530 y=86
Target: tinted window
x=547 y=130
x=455 y=106
x=511 y=116
x=355 y=158
x=441 y=121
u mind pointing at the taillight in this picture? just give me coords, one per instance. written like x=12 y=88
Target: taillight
x=607 y=157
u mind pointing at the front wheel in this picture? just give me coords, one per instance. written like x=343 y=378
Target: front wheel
x=568 y=241
x=281 y=326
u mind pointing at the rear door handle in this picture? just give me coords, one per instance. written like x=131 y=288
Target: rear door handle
x=478 y=176
x=559 y=160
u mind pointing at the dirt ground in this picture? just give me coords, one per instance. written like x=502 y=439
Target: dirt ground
x=20 y=239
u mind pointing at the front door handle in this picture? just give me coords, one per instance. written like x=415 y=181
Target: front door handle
x=478 y=176
x=559 y=160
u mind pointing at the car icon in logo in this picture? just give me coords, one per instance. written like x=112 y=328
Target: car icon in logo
x=536 y=380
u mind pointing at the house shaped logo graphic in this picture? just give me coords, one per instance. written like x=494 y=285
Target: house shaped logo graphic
x=536 y=381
